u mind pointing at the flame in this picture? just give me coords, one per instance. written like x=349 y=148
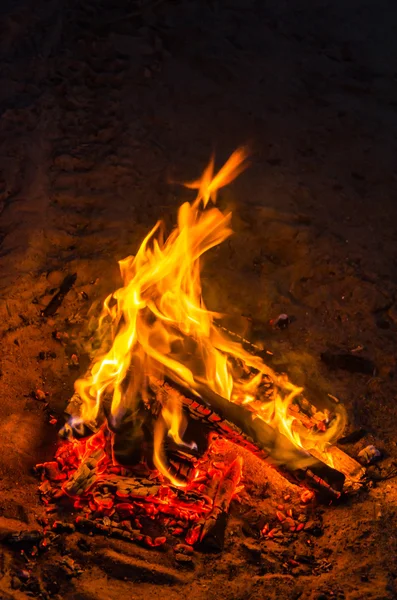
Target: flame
x=161 y=326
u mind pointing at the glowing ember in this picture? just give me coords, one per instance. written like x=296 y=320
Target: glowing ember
x=132 y=503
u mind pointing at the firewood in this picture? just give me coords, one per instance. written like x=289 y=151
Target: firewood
x=128 y=486
x=86 y=474
x=21 y=538
x=355 y=474
x=309 y=415
x=240 y=426
x=73 y=410
x=214 y=524
x=131 y=535
x=116 y=532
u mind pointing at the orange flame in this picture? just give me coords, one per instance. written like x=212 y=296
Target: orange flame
x=160 y=325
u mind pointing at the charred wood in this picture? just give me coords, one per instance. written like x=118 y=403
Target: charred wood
x=96 y=527
x=240 y=426
x=59 y=297
x=86 y=474
x=73 y=410
x=128 y=486
x=212 y=535
x=353 y=437
x=130 y=535
x=22 y=538
x=354 y=472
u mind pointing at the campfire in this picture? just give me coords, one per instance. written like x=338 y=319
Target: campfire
x=171 y=390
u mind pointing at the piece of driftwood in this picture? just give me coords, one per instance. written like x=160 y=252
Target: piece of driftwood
x=59 y=297
x=244 y=428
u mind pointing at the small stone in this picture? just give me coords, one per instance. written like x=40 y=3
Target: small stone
x=314 y=528
x=40 y=395
x=74 y=360
x=369 y=454
x=288 y=524
x=306 y=496
x=184 y=560
x=302 y=518
x=183 y=549
x=281 y=322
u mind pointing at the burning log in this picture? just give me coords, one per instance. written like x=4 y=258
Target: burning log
x=73 y=410
x=130 y=535
x=238 y=425
x=128 y=487
x=308 y=414
x=214 y=524
x=354 y=472
x=86 y=474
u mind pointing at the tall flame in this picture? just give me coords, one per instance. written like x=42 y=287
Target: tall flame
x=161 y=326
